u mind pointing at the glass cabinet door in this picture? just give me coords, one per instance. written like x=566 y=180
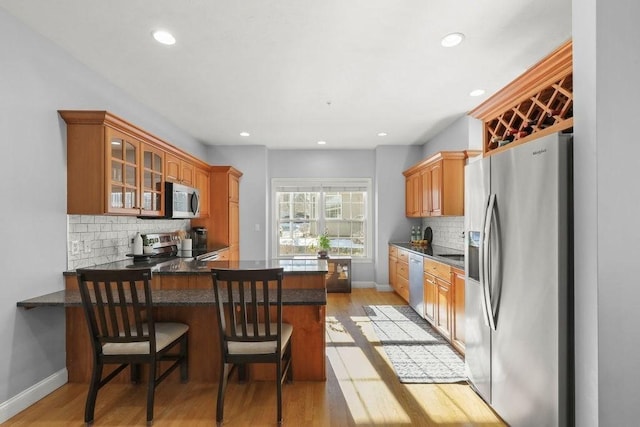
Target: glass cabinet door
x=123 y=196
x=152 y=174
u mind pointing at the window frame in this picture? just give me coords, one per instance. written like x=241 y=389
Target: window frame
x=323 y=185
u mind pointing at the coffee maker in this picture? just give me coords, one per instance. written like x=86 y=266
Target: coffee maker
x=199 y=237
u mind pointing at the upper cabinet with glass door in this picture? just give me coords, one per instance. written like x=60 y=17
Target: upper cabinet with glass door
x=123 y=185
x=152 y=202
x=109 y=170
x=117 y=168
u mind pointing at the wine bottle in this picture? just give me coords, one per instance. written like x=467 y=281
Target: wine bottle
x=494 y=142
x=550 y=119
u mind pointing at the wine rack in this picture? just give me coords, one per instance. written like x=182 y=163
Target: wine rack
x=537 y=103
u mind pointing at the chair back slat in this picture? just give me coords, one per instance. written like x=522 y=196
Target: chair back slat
x=245 y=314
x=118 y=306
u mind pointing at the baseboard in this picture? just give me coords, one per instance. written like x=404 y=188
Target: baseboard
x=28 y=397
x=363 y=285
x=384 y=288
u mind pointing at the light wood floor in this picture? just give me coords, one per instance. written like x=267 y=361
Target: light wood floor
x=361 y=390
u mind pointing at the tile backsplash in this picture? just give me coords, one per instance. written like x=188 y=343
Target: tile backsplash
x=98 y=239
x=447 y=231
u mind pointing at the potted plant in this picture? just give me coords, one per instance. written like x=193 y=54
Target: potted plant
x=324 y=245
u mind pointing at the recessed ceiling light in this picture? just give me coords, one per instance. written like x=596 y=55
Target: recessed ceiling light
x=453 y=39
x=244 y=134
x=164 y=37
x=322 y=142
x=382 y=134
x=476 y=92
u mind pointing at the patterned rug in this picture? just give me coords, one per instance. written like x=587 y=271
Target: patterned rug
x=418 y=353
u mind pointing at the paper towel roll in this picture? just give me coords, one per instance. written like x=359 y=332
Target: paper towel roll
x=186 y=244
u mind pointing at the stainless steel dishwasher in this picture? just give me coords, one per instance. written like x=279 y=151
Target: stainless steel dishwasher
x=416 y=288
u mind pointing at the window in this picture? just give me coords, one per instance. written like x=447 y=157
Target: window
x=304 y=209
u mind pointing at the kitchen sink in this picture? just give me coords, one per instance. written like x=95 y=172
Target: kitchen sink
x=455 y=257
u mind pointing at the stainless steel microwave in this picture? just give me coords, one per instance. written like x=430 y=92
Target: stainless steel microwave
x=181 y=201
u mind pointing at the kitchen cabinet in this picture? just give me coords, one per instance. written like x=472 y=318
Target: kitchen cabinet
x=402 y=274
x=438 y=297
x=202 y=184
x=152 y=181
x=393 y=264
x=458 y=321
x=115 y=167
x=338 y=277
x=179 y=170
x=537 y=103
x=105 y=171
x=413 y=198
x=430 y=297
x=435 y=186
x=223 y=222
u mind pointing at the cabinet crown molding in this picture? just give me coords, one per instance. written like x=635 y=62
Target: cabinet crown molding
x=102 y=117
x=441 y=155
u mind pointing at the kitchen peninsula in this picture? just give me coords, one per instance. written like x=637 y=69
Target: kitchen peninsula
x=183 y=292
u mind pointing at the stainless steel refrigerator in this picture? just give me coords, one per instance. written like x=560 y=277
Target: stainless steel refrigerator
x=519 y=281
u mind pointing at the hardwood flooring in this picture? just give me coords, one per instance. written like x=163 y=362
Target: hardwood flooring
x=361 y=390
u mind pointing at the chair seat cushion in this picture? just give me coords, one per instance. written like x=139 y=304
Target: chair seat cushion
x=166 y=333
x=264 y=347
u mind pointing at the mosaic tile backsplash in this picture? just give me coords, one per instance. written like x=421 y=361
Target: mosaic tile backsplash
x=93 y=240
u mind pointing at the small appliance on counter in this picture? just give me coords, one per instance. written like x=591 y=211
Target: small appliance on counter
x=199 y=235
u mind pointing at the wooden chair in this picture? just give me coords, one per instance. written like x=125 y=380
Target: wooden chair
x=249 y=332
x=118 y=308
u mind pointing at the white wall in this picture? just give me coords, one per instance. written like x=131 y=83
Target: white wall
x=606 y=91
x=36 y=80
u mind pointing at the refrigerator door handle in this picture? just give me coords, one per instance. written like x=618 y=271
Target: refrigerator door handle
x=483 y=264
x=486 y=278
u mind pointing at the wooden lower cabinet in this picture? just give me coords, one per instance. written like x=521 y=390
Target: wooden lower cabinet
x=402 y=274
x=393 y=266
x=430 y=297
x=443 y=319
x=443 y=287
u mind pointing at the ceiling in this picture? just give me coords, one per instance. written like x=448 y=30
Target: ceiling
x=293 y=72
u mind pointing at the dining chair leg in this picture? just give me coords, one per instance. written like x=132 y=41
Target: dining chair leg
x=135 y=373
x=279 y=389
x=94 y=385
x=222 y=387
x=151 y=391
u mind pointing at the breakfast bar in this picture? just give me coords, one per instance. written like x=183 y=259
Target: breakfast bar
x=182 y=291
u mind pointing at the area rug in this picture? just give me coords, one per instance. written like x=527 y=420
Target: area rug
x=417 y=352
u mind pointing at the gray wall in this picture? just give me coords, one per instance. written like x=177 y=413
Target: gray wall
x=36 y=80
x=453 y=137
x=259 y=166
x=392 y=224
x=252 y=161
x=606 y=91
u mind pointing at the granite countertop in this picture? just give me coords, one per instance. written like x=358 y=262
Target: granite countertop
x=176 y=298
x=435 y=252
x=192 y=266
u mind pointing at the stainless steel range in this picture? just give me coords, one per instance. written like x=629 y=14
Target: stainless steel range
x=167 y=245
